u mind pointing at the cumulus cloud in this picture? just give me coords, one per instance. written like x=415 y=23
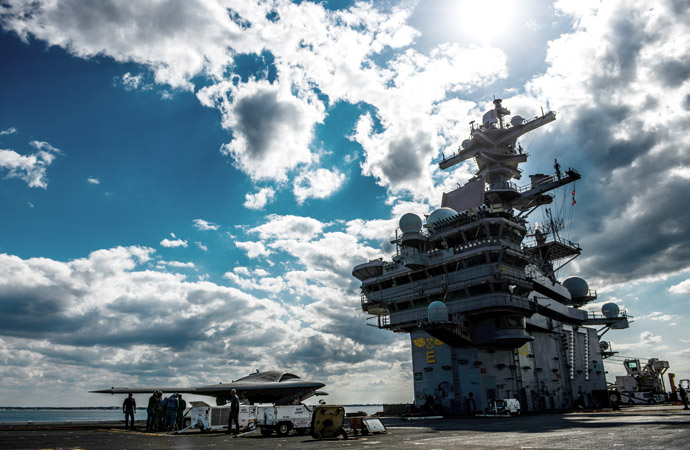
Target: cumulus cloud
x=659 y=316
x=261 y=282
x=93 y=180
x=681 y=288
x=648 y=342
x=174 y=242
x=378 y=229
x=11 y=130
x=316 y=277
x=418 y=117
x=307 y=241
x=288 y=227
x=272 y=128
x=177 y=40
x=616 y=83
x=259 y=199
x=30 y=168
x=133 y=82
x=201 y=224
x=310 y=56
x=649 y=338
x=105 y=301
x=319 y=183
x=253 y=249
x=96 y=320
x=177 y=264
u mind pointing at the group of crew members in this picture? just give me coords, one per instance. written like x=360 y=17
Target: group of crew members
x=163 y=414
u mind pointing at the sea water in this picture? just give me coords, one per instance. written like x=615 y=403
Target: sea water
x=64 y=415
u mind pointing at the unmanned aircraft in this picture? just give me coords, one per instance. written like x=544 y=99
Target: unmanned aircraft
x=279 y=388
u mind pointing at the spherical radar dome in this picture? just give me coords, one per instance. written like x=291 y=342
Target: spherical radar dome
x=410 y=222
x=438 y=312
x=440 y=214
x=577 y=287
x=516 y=121
x=610 y=310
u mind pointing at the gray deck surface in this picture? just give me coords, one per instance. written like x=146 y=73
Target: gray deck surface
x=660 y=427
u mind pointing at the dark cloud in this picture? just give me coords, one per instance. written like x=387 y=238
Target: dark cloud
x=257 y=117
x=680 y=8
x=626 y=37
x=173 y=333
x=686 y=102
x=674 y=72
x=53 y=312
x=595 y=129
x=649 y=234
x=405 y=159
x=316 y=350
x=36 y=314
x=359 y=330
x=630 y=217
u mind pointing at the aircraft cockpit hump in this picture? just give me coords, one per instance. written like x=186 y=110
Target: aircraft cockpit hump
x=289 y=376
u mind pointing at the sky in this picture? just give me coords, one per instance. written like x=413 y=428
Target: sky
x=185 y=186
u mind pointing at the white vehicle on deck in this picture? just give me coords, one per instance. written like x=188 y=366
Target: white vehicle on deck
x=268 y=418
x=205 y=417
x=641 y=398
x=283 y=419
x=507 y=407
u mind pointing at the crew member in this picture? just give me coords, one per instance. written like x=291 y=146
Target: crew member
x=160 y=417
x=129 y=408
x=682 y=395
x=234 y=412
x=181 y=406
x=151 y=411
x=557 y=167
x=171 y=412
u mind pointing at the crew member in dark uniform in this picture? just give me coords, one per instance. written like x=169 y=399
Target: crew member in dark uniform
x=234 y=412
x=182 y=405
x=129 y=408
x=682 y=395
x=151 y=411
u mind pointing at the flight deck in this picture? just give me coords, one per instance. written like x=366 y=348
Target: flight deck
x=639 y=427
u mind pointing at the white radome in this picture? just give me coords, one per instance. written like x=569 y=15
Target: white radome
x=410 y=223
x=610 y=310
x=517 y=121
x=440 y=214
x=577 y=287
x=437 y=311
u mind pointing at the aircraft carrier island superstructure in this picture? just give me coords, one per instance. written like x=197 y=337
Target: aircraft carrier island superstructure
x=476 y=288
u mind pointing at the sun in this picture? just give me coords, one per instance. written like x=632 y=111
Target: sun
x=485 y=21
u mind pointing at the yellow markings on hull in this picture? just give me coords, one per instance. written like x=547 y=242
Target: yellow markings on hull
x=429 y=342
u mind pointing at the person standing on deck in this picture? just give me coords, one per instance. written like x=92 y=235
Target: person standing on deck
x=151 y=411
x=171 y=412
x=129 y=408
x=181 y=406
x=683 y=397
x=234 y=412
x=160 y=418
